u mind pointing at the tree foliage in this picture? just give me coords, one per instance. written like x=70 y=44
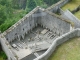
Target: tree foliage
x=50 y=2
x=2 y=14
x=12 y=10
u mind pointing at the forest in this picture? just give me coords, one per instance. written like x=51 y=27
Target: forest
x=13 y=10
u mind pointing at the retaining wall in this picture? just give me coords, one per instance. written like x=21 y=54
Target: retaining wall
x=57 y=42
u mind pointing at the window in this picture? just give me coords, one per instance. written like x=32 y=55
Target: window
x=23 y=29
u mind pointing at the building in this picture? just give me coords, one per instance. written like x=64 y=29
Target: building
x=31 y=36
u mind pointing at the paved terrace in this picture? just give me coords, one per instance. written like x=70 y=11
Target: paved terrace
x=37 y=40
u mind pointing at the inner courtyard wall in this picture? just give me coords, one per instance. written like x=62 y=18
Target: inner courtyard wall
x=54 y=23
x=22 y=27
x=37 y=16
x=31 y=20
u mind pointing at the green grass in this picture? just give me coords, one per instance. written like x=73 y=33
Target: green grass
x=1 y=58
x=69 y=50
x=77 y=14
x=71 y=5
x=2 y=55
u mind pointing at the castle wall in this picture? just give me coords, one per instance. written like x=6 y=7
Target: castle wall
x=68 y=15
x=54 y=8
x=22 y=27
x=7 y=49
x=44 y=18
x=57 y=42
x=17 y=31
x=54 y=23
x=38 y=16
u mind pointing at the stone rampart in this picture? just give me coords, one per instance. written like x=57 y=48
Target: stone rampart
x=57 y=42
x=54 y=8
x=37 y=16
x=7 y=49
x=68 y=15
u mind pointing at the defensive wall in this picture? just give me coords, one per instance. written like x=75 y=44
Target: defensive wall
x=54 y=8
x=7 y=48
x=46 y=19
x=12 y=33
x=68 y=15
x=58 y=41
x=37 y=16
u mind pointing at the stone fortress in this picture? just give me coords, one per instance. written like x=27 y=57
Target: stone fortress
x=37 y=34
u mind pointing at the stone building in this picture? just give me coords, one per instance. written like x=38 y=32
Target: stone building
x=31 y=36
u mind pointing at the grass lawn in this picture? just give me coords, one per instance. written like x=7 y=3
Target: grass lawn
x=71 y=5
x=77 y=14
x=2 y=55
x=69 y=50
x=1 y=58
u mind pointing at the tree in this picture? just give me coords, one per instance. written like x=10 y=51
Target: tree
x=30 y=5
x=50 y=2
x=2 y=14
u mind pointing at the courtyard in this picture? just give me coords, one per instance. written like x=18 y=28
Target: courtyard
x=35 y=42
